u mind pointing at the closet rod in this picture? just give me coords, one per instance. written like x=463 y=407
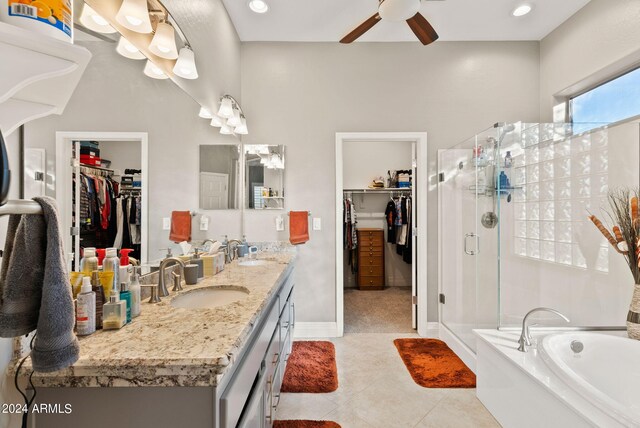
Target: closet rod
x=96 y=168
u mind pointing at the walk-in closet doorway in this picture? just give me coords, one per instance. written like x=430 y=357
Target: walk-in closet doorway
x=123 y=147
x=416 y=162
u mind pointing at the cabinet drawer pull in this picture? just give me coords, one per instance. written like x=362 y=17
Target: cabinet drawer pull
x=371 y=282
x=370 y=270
x=275 y=358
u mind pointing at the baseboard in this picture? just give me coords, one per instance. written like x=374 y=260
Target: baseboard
x=433 y=325
x=465 y=353
x=315 y=329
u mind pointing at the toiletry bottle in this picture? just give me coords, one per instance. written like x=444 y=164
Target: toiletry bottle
x=196 y=260
x=134 y=289
x=86 y=309
x=101 y=252
x=115 y=312
x=508 y=160
x=111 y=263
x=89 y=261
x=97 y=288
x=125 y=294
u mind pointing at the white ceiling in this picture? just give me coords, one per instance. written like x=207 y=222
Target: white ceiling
x=454 y=20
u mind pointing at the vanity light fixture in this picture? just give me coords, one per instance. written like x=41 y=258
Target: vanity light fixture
x=205 y=113
x=90 y=19
x=153 y=71
x=521 y=10
x=217 y=121
x=186 y=65
x=258 y=6
x=134 y=15
x=127 y=50
x=163 y=43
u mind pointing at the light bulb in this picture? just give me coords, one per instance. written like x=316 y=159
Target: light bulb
x=153 y=71
x=127 y=50
x=186 y=65
x=94 y=22
x=163 y=43
x=134 y=15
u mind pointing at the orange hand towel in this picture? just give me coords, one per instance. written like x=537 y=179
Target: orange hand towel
x=180 y=226
x=298 y=227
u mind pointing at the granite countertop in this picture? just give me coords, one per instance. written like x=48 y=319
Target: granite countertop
x=167 y=346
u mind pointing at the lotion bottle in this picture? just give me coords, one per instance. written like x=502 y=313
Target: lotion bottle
x=86 y=309
x=134 y=288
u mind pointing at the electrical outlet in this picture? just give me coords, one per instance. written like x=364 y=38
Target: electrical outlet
x=317 y=223
x=166 y=223
x=279 y=223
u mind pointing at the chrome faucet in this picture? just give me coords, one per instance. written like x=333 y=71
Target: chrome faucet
x=232 y=255
x=169 y=261
x=525 y=336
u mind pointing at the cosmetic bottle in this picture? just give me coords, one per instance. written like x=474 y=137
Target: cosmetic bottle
x=134 y=289
x=111 y=263
x=125 y=294
x=508 y=160
x=86 y=309
x=114 y=313
x=89 y=261
x=97 y=288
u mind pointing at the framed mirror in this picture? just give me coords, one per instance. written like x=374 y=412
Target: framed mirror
x=264 y=177
x=220 y=177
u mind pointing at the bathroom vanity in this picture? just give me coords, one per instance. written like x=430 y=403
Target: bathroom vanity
x=177 y=366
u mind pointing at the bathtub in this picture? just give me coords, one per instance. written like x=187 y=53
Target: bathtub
x=606 y=372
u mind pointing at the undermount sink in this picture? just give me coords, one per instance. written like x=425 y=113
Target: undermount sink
x=209 y=297
x=253 y=263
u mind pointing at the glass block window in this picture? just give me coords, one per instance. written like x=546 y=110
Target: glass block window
x=558 y=181
x=616 y=100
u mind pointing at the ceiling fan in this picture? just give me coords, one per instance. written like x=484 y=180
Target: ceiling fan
x=397 y=10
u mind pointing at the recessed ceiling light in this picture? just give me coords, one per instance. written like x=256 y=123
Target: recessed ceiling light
x=521 y=10
x=258 y=6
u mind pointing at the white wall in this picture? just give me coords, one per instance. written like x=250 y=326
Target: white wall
x=301 y=94
x=363 y=161
x=122 y=154
x=598 y=42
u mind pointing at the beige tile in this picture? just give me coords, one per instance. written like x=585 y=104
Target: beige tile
x=459 y=409
x=347 y=418
x=304 y=406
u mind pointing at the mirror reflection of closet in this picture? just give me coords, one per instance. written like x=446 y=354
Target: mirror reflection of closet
x=264 y=177
x=219 y=177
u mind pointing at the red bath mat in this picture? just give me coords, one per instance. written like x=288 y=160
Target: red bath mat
x=311 y=368
x=305 y=424
x=432 y=364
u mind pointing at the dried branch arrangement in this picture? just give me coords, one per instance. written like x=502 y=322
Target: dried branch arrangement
x=625 y=238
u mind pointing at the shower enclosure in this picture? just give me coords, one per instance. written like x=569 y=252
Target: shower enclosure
x=514 y=232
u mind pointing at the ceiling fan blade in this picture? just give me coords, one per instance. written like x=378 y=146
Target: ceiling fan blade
x=422 y=29
x=362 y=28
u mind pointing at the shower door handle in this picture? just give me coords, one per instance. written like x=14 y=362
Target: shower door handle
x=477 y=249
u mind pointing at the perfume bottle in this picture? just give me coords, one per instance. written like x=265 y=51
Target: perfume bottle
x=114 y=313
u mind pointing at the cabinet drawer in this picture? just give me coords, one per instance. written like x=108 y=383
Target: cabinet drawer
x=371 y=270
x=376 y=241
x=370 y=252
x=370 y=281
x=370 y=261
x=285 y=292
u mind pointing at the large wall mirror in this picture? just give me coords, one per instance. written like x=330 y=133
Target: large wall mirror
x=220 y=177
x=264 y=177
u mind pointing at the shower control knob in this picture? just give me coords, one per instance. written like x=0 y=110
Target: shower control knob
x=577 y=346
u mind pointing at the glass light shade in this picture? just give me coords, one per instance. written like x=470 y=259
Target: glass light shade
x=264 y=160
x=217 y=121
x=163 y=43
x=205 y=113
x=186 y=65
x=258 y=6
x=226 y=108
x=90 y=19
x=242 y=128
x=234 y=120
x=134 y=15
x=153 y=71
x=225 y=130
x=127 y=50
x=398 y=10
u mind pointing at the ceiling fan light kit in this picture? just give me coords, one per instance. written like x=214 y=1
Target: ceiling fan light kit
x=395 y=11
x=522 y=10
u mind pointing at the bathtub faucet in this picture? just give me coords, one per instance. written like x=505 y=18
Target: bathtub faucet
x=525 y=336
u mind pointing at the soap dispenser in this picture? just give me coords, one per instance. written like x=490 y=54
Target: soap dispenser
x=196 y=260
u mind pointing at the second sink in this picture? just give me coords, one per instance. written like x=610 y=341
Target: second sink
x=209 y=297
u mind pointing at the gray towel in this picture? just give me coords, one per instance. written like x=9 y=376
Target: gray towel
x=34 y=288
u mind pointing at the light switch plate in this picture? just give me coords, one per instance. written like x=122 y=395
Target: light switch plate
x=204 y=222
x=166 y=223
x=317 y=223
x=279 y=223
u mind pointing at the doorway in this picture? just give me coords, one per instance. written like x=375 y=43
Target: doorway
x=128 y=168
x=371 y=225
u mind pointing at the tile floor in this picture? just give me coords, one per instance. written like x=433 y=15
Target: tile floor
x=376 y=391
x=378 y=311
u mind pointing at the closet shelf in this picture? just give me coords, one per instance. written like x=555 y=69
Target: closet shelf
x=39 y=75
x=382 y=190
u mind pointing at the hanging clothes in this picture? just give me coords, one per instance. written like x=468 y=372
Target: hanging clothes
x=390 y=215
x=349 y=233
